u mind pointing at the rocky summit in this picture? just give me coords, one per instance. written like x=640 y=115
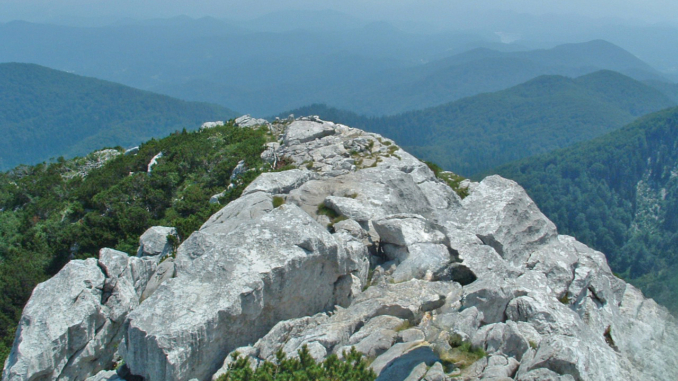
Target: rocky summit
x=362 y=246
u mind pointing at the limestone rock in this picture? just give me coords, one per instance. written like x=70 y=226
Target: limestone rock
x=154 y=242
x=305 y=131
x=402 y=271
x=131 y=151
x=164 y=272
x=279 y=182
x=227 y=295
x=501 y=214
x=72 y=322
x=436 y=373
x=208 y=125
x=48 y=337
x=421 y=261
x=153 y=162
x=405 y=230
x=239 y=169
x=248 y=121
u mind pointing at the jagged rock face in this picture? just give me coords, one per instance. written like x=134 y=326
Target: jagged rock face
x=71 y=324
x=370 y=251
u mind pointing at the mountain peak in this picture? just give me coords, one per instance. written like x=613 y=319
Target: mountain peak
x=356 y=241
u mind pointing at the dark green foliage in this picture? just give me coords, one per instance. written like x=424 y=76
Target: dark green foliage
x=326 y=211
x=452 y=179
x=475 y=134
x=303 y=368
x=462 y=353
x=47 y=219
x=47 y=113
x=277 y=201
x=618 y=194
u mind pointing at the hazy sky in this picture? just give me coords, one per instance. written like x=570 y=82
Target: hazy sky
x=417 y=10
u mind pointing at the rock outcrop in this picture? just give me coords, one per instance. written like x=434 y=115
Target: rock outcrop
x=366 y=249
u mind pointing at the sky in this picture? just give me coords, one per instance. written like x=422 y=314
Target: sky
x=434 y=11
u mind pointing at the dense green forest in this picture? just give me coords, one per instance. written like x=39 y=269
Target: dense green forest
x=619 y=194
x=475 y=134
x=49 y=214
x=46 y=113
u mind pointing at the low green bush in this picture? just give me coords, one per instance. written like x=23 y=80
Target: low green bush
x=304 y=368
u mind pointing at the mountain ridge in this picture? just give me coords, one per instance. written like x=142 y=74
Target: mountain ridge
x=480 y=132
x=45 y=113
x=390 y=261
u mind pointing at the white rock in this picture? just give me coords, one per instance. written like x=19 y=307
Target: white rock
x=208 y=125
x=248 y=121
x=153 y=162
x=279 y=182
x=231 y=289
x=501 y=214
x=154 y=242
x=304 y=131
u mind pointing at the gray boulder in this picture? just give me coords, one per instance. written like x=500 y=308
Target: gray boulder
x=154 y=242
x=72 y=323
x=503 y=216
x=47 y=338
x=248 y=121
x=304 y=131
x=407 y=229
x=279 y=182
x=238 y=170
x=165 y=271
x=208 y=125
x=230 y=289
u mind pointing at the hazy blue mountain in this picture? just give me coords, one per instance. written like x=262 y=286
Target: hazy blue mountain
x=619 y=194
x=290 y=59
x=238 y=65
x=485 y=70
x=477 y=133
x=669 y=89
x=46 y=113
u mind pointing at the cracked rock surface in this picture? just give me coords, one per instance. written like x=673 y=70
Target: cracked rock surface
x=369 y=250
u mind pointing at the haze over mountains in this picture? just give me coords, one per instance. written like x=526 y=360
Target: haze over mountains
x=581 y=111
x=46 y=113
x=287 y=60
x=478 y=133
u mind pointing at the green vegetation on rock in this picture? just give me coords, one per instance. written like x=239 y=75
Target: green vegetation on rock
x=304 y=368
x=47 y=113
x=50 y=213
x=618 y=194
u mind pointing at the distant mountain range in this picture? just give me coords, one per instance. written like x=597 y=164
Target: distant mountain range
x=46 y=113
x=484 y=70
x=619 y=194
x=394 y=90
x=477 y=133
x=299 y=59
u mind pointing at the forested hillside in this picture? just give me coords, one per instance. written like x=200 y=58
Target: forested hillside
x=51 y=213
x=46 y=113
x=481 y=132
x=619 y=194
x=260 y=68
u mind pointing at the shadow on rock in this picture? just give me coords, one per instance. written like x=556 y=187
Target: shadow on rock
x=400 y=368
